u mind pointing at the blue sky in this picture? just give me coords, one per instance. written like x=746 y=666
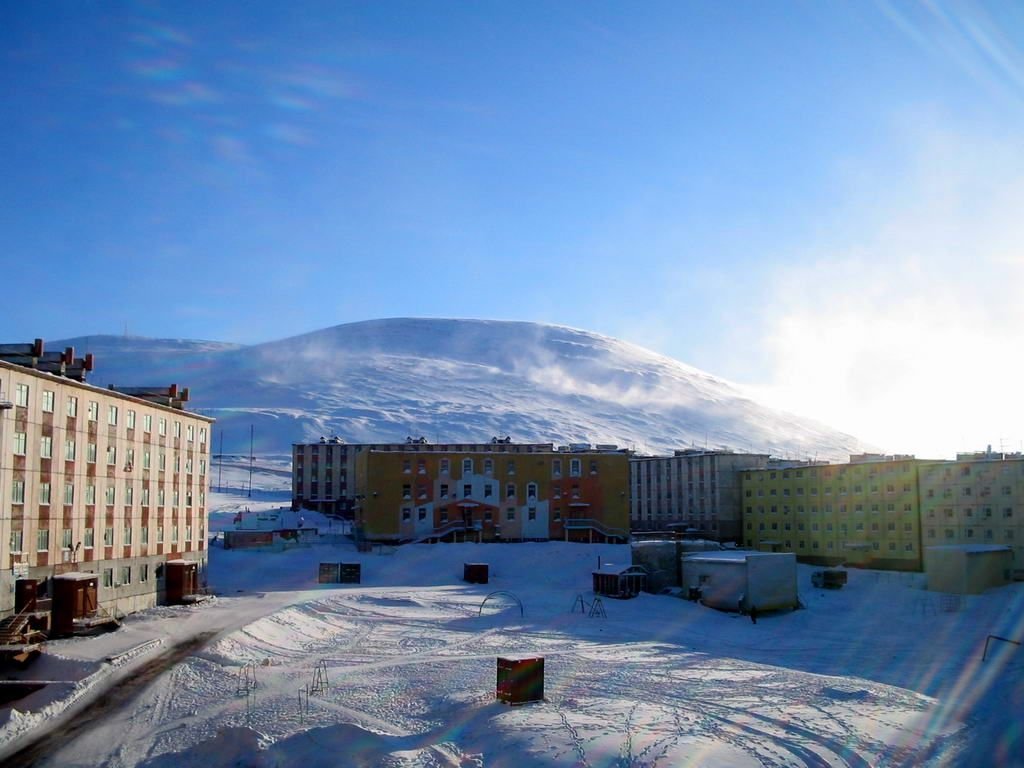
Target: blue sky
x=774 y=192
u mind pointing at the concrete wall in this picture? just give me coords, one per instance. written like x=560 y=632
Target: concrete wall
x=967 y=570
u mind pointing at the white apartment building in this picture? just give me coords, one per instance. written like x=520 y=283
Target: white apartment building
x=694 y=489
x=104 y=481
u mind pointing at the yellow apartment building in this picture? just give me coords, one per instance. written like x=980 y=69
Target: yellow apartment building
x=864 y=513
x=977 y=499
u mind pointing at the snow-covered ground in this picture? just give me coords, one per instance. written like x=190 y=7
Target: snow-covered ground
x=878 y=673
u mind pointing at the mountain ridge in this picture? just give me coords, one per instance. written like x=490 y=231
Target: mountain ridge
x=459 y=380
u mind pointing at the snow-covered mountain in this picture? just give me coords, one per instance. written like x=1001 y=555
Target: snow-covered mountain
x=457 y=380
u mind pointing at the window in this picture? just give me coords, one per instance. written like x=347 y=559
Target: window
x=510 y=514
x=69 y=450
x=69 y=493
x=406 y=491
x=112 y=415
x=21 y=395
x=444 y=516
x=177 y=429
x=202 y=467
x=20 y=443
x=190 y=433
x=94 y=411
x=532 y=514
x=406 y=466
x=593 y=466
x=162 y=426
x=71 y=406
x=90 y=494
x=556 y=468
x=90 y=452
x=531 y=491
x=65 y=538
x=108 y=577
x=421 y=513
x=202 y=435
x=130 y=419
x=159 y=534
x=108 y=536
x=488 y=490
x=43 y=539
x=18 y=492
x=467 y=490
x=17 y=540
x=406 y=514
x=467 y=466
x=47 y=401
x=111 y=455
x=161 y=496
x=110 y=495
x=575 y=467
x=444 y=490
x=174 y=533
x=44 y=494
x=147 y=422
x=145 y=496
x=143 y=573
x=510 y=490
x=129 y=494
x=146 y=463
x=162 y=463
x=444 y=466
x=144 y=535
x=488 y=466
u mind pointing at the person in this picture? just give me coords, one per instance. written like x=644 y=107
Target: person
x=753 y=614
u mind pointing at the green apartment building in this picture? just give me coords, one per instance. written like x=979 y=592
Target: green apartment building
x=866 y=513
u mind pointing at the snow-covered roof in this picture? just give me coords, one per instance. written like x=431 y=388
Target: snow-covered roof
x=617 y=570
x=75 y=576
x=721 y=556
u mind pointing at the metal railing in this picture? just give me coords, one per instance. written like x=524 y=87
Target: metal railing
x=582 y=523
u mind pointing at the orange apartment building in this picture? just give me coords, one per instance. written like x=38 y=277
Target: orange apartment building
x=495 y=491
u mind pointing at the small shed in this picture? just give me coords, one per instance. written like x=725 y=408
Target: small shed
x=182 y=582
x=475 y=573
x=75 y=605
x=620 y=581
x=967 y=569
x=733 y=580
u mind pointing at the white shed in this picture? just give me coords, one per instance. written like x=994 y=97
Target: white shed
x=737 y=580
x=967 y=569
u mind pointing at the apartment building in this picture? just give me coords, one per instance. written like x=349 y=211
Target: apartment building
x=111 y=482
x=864 y=513
x=693 y=489
x=977 y=499
x=323 y=471
x=492 y=492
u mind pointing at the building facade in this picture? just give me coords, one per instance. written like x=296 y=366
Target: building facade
x=323 y=472
x=864 y=513
x=491 y=492
x=976 y=500
x=693 y=489
x=96 y=480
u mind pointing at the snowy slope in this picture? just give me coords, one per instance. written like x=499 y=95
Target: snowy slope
x=460 y=380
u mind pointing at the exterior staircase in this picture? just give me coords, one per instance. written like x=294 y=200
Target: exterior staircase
x=589 y=523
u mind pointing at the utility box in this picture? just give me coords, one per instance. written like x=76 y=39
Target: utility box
x=350 y=573
x=475 y=573
x=520 y=680
x=330 y=573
